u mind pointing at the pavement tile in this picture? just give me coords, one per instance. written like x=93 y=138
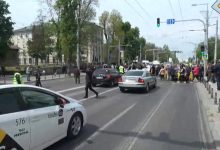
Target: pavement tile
x=211 y=110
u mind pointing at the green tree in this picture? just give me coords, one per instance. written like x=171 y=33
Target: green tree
x=6 y=29
x=148 y=53
x=36 y=46
x=112 y=24
x=68 y=28
x=211 y=49
x=132 y=38
x=43 y=40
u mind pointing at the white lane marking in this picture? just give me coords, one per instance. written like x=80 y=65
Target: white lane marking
x=202 y=128
x=79 y=92
x=85 y=99
x=148 y=118
x=70 y=89
x=106 y=126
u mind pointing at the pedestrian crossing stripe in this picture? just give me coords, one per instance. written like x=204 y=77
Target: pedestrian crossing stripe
x=7 y=142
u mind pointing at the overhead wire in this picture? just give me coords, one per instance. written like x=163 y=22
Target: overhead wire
x=172 y=10
x=144 y=10
x=133 y=8
x=181 y=13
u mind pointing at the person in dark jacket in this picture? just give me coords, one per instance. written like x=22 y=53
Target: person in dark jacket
x=153 y=70
x=76 y=73
x=89 y=83
x=201 y=73
x=38 y=79
x=182 y=73
x=217 y=74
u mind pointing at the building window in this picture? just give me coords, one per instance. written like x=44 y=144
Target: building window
x=25 y=61
x=30 y=60
x=54 y=60
x=20 y=61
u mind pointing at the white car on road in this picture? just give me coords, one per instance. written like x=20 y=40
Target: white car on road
x=137 y=79
x=35 y=118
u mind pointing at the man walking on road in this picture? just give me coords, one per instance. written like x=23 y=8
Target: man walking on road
x=76 y=73
x=89 y=83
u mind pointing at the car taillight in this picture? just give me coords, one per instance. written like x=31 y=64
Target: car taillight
x=120 y=79
x=108 y=76
x=140 y=80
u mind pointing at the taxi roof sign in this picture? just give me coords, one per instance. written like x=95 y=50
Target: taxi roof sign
x=216 y=6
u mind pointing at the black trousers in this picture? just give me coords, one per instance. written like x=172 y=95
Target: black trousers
x=38 y=83
x=77 y=79
x=218 y=82
x=89 y=86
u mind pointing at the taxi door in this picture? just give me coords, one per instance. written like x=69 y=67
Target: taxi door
x=46 y=128
x=14 y=121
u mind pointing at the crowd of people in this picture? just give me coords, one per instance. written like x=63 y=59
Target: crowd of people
x=170 y=72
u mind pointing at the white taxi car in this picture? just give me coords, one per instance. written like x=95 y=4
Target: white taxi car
x=34 y=118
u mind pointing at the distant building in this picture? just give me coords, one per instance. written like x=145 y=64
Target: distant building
x=20 y=39
x=11 y=57
x=91 y=50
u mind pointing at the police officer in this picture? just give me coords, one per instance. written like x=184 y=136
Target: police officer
x=89 y=83
x=17 y=78
x=121 y=69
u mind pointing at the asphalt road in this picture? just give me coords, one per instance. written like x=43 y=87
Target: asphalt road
x=167 y=118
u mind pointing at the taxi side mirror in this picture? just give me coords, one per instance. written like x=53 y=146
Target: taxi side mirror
x=61 y=102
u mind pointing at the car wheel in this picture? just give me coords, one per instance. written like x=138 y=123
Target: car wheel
x=147 y=88
x=122 y=90
x=75 y=126
x=111 y=83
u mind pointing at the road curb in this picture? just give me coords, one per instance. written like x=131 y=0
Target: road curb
x=207 y=130
x=43 y=79
x=211 y=117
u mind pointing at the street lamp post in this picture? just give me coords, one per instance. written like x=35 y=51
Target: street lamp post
x=216 y=42
x=119 y=50
x=206 y=33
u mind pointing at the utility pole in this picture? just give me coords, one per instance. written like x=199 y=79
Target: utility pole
x=140 y=53
x=119 y=54
x=216 y=42
x=119 y=49
x=78 y=36
x=153 y=52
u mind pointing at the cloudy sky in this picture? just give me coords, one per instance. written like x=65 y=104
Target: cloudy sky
x=143 y=14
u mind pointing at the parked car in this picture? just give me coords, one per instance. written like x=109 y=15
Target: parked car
x=105 y=76
x=34 y=118
x=137 y=79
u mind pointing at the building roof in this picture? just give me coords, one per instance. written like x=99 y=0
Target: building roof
x=23 y=30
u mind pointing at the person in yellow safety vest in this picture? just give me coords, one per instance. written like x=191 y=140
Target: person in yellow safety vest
x=121 y=69
x=17 y=78
x=178 y=75
x=191 y=76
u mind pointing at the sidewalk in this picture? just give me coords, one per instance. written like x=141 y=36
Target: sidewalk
x=208 y=97
x=9 y=79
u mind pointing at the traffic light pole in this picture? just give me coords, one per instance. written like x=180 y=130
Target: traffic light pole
x=205 y=38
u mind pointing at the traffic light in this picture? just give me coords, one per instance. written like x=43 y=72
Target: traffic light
x=158 y=22
x=202 y=48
